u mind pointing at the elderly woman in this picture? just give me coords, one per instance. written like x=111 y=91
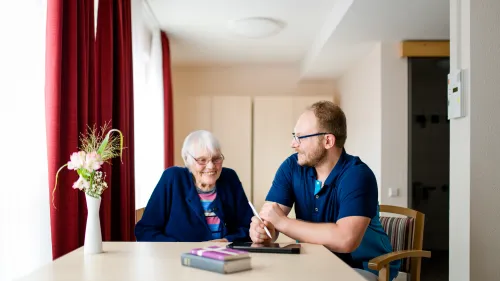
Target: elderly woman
x=201 y=202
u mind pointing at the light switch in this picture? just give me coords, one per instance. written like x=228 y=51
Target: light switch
x=393 y=192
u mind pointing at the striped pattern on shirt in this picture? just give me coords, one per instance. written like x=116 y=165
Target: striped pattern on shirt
x=213 y=221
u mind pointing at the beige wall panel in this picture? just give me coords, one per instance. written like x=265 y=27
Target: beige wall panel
x=232 y=125
x=190 y=113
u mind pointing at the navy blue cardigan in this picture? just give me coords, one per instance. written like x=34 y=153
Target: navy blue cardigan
x=174 y=212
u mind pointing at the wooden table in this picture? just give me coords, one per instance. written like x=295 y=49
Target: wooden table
x=161 y=261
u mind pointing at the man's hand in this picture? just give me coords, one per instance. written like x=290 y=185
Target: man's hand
x=272 y=212
x=219 y=240
x=257 y=232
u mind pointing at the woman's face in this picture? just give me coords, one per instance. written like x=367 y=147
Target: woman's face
x=206 y=168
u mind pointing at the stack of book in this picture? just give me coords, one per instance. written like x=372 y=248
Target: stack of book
x=217 y=259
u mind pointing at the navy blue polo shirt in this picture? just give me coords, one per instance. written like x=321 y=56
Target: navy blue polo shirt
x=349 y=190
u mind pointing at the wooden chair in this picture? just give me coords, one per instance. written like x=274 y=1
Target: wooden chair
x=138 y=214
x=406 y=235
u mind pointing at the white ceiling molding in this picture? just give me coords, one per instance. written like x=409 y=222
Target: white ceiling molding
x=337 y=14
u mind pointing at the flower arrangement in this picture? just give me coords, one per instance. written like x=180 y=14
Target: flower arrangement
x=96 y=149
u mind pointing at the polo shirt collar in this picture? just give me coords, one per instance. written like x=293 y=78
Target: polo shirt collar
x=332 y=177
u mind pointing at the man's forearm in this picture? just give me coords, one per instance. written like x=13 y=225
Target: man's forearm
x=327 y=234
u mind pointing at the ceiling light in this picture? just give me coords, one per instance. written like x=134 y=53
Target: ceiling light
x=256 y=27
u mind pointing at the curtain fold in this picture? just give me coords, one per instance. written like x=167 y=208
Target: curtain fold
x=168 y=109
x=68 y=85
x=114 y=90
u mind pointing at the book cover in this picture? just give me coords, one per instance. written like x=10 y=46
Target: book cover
x=220 y=253
x=224 y=267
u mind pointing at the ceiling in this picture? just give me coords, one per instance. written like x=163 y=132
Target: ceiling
x=321 y=37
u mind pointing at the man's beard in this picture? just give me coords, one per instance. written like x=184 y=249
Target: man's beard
x=314 y=158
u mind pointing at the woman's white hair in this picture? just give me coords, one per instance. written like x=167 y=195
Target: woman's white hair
x=199 y=141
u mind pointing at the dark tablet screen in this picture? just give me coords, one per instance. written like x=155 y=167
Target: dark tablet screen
x=278 y=248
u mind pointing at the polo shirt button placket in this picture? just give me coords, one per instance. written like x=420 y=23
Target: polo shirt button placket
x=317 y=196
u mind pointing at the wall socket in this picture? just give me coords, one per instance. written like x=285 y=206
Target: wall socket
x=393 y=192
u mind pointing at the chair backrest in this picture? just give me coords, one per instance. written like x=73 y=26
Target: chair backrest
x=405 y=233
x=138 y=214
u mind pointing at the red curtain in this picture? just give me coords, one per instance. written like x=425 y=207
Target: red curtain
x=72 y=103
x=114 y=90
x=168 y=119
x=69 y=83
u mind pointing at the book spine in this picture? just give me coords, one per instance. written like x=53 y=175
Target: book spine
x=202 y=263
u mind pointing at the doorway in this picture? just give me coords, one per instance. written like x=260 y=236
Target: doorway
x=429 y=147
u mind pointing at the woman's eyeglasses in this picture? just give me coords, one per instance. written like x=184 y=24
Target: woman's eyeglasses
x=204 y=161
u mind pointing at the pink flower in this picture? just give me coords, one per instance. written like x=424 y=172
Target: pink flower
x=77 y=159
x=93 y=161
x=81 y=183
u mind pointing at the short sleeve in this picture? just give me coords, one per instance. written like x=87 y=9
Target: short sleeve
x=281 y=190
x=358 y=193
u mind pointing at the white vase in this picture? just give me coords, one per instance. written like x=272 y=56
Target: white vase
x=93 y=237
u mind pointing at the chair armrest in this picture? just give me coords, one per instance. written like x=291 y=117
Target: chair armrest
x=379 y=262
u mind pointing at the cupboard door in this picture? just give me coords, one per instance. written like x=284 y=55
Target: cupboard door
x=273 y=125
x=190 y=113
x=232 y=125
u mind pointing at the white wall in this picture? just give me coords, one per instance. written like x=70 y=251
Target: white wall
x=373 y=94
x=148 y=103
x=394 y=125
x=460 y=149
x=485 y=139
x=474 y=151
x=360 y=90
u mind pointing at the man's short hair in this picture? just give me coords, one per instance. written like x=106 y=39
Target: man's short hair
x=331 y=119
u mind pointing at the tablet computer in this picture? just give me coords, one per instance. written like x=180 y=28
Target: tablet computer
x=277 y=248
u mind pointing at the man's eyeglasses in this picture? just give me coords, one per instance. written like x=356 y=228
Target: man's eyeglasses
x=204 y=161
x=298 y=138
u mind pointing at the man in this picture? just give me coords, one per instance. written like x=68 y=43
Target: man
x=335 y=194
